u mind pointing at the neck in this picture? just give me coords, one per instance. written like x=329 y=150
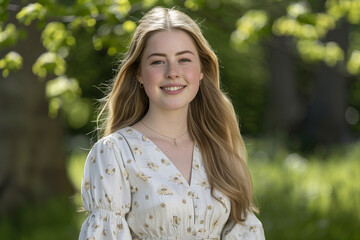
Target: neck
x=170 y=123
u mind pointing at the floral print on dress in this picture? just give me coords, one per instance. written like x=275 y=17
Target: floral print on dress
x=152 y=166
x=164 y=190
x=177 y=178
x=133 y=191
x=110 y=169
x=165 y=162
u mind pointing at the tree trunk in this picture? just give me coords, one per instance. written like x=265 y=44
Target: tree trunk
x=284 y=111
x=325 y=122
x=32 y=160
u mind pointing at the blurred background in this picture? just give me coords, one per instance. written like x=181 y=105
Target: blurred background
x=291 y=69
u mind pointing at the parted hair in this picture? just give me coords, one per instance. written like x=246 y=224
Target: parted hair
x=212 y=121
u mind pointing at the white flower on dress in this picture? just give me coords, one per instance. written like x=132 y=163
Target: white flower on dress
x=164 y=190
x=152 y=166
x=165 y=162
x=137 y=150
x=105 y=232
x=176 y=220
x=204 y=184
x=87 y=184
x=195 y=165
x=176 y=179
x=110 y=169
x=253 y=228
x=109 y=144
x=134 y=189
x=95 y=226
x=142 y=176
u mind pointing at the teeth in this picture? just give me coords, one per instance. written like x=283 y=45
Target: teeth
x=172 y=88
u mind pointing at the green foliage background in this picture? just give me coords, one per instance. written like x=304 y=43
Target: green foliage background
x=99 y=31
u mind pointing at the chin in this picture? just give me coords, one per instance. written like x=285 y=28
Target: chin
x=176 y=106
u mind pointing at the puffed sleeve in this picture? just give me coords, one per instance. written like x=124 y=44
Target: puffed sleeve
x=105 y=192
x=251 y=229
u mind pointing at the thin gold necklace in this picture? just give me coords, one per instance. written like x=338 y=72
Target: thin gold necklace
x=172 y=138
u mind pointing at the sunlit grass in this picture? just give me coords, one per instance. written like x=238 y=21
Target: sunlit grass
x=307 y=197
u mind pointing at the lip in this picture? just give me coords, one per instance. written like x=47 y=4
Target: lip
x=173 y=88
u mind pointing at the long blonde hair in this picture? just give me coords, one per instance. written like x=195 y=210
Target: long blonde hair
x=212 y=121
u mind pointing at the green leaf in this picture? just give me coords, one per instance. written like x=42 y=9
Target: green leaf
x=311 y=50
x=11 y=62
x=296 y=9
x=64 y=94
x=31 y=12
x=148 y=3
x=192 y=5
x=248 y=26
x=8 y=36
x=54 y=107
x=353 y=65
x=119 y=8
x=129 y=26
x=55 y=36
x=62 y=85
x=333 y=54
x=49 y=62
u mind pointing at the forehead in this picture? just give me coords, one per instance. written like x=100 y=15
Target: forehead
x=169 y=41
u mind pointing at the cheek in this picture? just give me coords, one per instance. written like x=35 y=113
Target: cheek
x=150 y=76
x=194 y=74
x=151 y=79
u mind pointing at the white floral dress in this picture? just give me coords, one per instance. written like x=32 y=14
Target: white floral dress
x=133 y=191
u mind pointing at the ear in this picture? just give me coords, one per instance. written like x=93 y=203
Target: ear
x=139 y=77
x=201 y=76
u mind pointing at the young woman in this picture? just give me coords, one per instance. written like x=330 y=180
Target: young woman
x=171 y=163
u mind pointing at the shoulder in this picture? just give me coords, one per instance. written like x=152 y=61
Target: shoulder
x=250 y=229
x=113 y=140
x=108 y=154
x=253 y=223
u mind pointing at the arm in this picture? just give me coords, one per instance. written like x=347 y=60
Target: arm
x=105 y=193
x=251 y=229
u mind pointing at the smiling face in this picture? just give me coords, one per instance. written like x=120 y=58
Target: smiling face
x=170 y=70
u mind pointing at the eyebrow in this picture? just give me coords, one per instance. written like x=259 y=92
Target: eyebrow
x=176 y=54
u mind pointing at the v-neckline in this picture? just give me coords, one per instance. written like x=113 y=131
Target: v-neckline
x=140 y=136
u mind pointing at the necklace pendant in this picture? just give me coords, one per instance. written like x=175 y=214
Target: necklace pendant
x=174 y=139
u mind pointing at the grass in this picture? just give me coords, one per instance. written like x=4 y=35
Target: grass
x=300 y=197
x=317 y=197
x=56 y=220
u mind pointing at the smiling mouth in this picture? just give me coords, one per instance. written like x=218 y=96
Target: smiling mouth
x=173 y=88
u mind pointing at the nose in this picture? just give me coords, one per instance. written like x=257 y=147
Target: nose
x=172 y=71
